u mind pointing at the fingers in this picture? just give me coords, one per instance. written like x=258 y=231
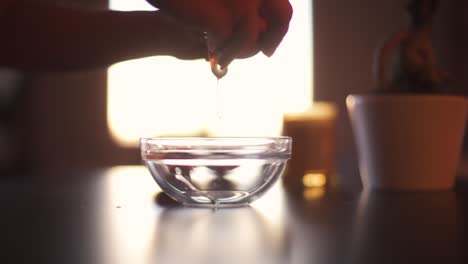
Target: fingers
x=236 y=28
x=261 y=30
x=206 y=15
x=277 y=14
x=178 y=40
x=191 y=48
x=244 y=41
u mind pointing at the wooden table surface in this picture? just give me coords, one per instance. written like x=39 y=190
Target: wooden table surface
x=115 y=215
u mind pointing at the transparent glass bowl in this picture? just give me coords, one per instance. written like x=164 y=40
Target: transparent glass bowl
x=215 y=171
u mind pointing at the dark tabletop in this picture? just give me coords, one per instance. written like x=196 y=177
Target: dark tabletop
x=117 y=216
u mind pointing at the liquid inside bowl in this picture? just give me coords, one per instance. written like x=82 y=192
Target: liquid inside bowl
x=216 y=171
x=218 y=182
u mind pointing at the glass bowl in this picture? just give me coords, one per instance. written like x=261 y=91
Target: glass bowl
x=215 y=172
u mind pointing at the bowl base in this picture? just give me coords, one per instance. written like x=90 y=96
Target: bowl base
x=215 y=206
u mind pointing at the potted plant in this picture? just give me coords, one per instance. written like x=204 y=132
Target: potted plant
x=409 y=133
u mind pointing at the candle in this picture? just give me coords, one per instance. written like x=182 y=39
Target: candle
x=313 y=134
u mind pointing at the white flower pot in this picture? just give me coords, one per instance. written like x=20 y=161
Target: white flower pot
x=408 y=142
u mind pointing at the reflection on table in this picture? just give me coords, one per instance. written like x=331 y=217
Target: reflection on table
x=113 y=216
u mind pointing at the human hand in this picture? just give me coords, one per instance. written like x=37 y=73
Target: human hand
x=177 y=40
x=237 y=28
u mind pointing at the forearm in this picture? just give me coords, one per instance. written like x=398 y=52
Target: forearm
x=48 y=37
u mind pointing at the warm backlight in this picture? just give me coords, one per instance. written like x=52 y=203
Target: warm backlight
x=314 y=179
x=163 y=96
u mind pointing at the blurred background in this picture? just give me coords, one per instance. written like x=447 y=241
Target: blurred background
x=54 y=122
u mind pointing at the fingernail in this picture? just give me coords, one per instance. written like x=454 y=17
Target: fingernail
x=268 y=52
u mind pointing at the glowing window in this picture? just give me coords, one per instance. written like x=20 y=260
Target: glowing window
x=158 y=96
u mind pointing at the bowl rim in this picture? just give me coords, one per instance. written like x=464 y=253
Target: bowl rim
x=242 y=145
x=189 y=138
